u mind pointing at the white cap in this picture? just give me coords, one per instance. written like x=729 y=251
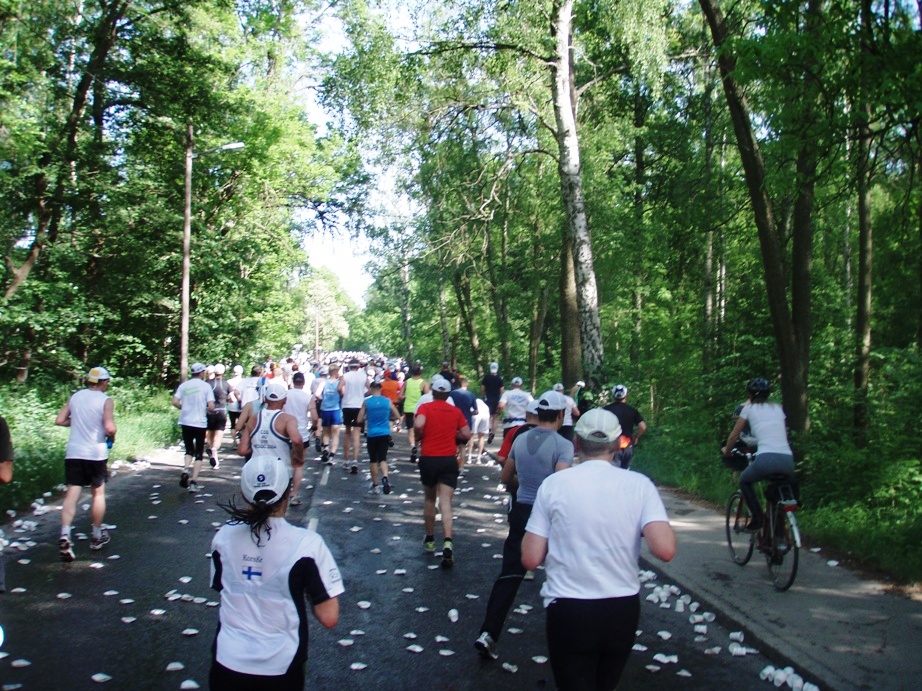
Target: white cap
x=517 y=381
x=558 y=387
x=494 y=367
x=552 y=400
x=532 y=407
x=210 y=369
x=598 y=425
x=265 y=473
x=97 y=374
x=620 y=391
x=238 y=369
x=441 y=384
x=197 y=368
x=276 y=392
x=219 y=369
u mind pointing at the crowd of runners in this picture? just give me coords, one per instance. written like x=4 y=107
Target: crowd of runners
x=585 y=525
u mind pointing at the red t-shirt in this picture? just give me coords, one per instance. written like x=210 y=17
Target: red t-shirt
x=442 y=424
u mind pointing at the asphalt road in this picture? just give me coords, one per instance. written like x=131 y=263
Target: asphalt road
x=143 y=602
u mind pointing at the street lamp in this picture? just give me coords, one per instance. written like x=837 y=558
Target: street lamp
x=187 y=247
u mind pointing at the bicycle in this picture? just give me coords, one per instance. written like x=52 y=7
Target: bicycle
x=779 y=537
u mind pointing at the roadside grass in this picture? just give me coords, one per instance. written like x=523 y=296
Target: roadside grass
x=144 y=417
x=871 y=511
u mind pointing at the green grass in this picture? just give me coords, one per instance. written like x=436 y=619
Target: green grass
x=144 y=417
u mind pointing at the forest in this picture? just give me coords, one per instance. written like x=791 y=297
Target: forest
x=677 y=196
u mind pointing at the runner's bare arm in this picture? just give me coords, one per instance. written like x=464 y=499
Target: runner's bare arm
x=534 y=550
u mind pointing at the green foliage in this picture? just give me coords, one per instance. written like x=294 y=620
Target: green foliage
x=143 y=415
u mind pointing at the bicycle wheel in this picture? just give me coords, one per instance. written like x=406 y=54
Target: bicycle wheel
x=784 y=554
x=739 y=541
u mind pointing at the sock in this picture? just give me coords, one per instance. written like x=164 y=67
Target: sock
x=65 y=531
x=430 y=538
x=97 y=531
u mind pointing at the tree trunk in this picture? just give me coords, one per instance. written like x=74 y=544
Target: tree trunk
x=405 y=313
x=571 y=363
x=443 y=322
x=571 y=185
x=793 y=369
x=465 y=306
x=538 y=316
x=635 y=246
x=865 y=238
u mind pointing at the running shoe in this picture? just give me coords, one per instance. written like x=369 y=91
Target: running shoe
x=193 y=487
x=490 y=438
x=325 y=457
x=296 y=501
x=413 y=455
x=212 y=459
x=448 y=556
x=318 y=444
x=184 y=479
x=374 y=489
x=386 y=485
x=98 y=542
x=429 y=544
x=486 y=646
x=66 y=549
x=355 y=469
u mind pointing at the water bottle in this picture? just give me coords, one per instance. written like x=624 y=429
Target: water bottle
x=110 y=440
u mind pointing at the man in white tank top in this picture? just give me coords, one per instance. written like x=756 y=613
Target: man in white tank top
x=273 y=432
x=89 y=414
x=298 y=405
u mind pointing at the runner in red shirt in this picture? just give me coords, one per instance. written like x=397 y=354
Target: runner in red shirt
x=439 y=428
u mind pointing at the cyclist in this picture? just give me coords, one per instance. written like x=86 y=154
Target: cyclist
x=774 y=456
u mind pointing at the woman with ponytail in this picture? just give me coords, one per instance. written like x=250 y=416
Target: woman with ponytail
x=266 y=571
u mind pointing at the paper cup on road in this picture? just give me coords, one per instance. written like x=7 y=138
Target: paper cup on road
x=737 y=636
x=709 y=617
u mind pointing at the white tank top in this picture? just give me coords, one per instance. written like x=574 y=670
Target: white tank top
x=87 y=440
x=266 y=441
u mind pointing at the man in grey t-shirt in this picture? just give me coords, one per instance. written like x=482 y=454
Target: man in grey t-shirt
x=535 y=455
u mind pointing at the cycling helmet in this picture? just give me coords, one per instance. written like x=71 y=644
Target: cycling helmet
x=759 y=388
x=619 y=392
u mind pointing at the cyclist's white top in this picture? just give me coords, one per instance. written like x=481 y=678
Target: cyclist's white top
x=263 y=617
x=87 y=440
x=766 y=421
x=354 y=388
x=194 y=396
x=592 y=515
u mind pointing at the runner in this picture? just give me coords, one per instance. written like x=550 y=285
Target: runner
x=413 y=389
x=512 y=406
x=273 y=432
x=355 y=385
x=330 y=395
x=233 y=398
x=217 y=418
x=6 y=476
x=535 y=455
x=264 y=568
x=440 y=428
x=378 y=411
x=195 y=400
x=591 y=544
x=297 y=404
x=481 y=428
x=570 y=413
x=90 y=415
x=491 y=390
